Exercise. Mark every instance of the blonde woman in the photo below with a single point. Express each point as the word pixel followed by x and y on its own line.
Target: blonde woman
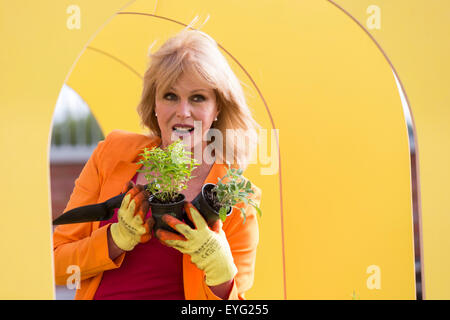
pixel 189 93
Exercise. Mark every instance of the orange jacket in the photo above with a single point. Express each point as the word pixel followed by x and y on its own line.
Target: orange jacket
pixel 110 167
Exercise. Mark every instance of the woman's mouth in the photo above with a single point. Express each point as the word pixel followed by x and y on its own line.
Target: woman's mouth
pixel 182 129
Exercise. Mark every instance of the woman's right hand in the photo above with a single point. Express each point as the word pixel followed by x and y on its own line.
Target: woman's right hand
pixel 131 228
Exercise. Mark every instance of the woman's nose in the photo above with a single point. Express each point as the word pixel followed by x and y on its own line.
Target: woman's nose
pixel 183 109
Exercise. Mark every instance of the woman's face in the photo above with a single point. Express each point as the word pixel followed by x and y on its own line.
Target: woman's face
pixel 188 100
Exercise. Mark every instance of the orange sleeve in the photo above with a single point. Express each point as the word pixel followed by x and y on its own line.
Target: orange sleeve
pixel 233 295
pixel 78 244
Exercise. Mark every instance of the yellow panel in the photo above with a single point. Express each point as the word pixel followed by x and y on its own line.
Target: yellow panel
pixel 414 35
pixel 109 90
pixel 330 105
pixel 344 149
pixel 38 51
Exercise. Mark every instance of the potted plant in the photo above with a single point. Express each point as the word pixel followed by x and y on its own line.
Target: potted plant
pixel 167 171
pixel 218 200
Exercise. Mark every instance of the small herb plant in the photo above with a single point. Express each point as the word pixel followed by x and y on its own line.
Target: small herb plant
pixel 167 170
pixel 232 192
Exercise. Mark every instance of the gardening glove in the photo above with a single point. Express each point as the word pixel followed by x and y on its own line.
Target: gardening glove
pixel 208 248
pixel 131 228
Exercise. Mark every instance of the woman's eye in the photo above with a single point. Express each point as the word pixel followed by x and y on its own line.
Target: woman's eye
pixel 198 98
pixel 170 96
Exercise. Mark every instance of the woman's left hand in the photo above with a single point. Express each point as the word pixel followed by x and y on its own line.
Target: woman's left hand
pixel 208 248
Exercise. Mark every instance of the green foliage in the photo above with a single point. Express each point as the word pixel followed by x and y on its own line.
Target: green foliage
pixel 234 191
pixel 70 129
pixel 167 171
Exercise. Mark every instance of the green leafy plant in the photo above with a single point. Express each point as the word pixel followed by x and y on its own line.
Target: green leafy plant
pixel 232 192
pixel 167 170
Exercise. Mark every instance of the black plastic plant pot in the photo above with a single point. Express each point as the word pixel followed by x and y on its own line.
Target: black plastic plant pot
pixel 175 209
pixel 203 205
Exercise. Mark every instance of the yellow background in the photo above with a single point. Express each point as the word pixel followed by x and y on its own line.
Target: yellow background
pixel 414 35
pixel 345 175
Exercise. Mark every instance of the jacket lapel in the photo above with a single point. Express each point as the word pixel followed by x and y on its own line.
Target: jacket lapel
pixel 193 277
pixel 125 169
pixel 218 170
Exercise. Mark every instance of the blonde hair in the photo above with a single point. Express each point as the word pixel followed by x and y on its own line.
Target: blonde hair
pixel 195 52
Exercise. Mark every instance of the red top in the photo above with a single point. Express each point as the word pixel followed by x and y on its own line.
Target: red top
pixel 151 271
